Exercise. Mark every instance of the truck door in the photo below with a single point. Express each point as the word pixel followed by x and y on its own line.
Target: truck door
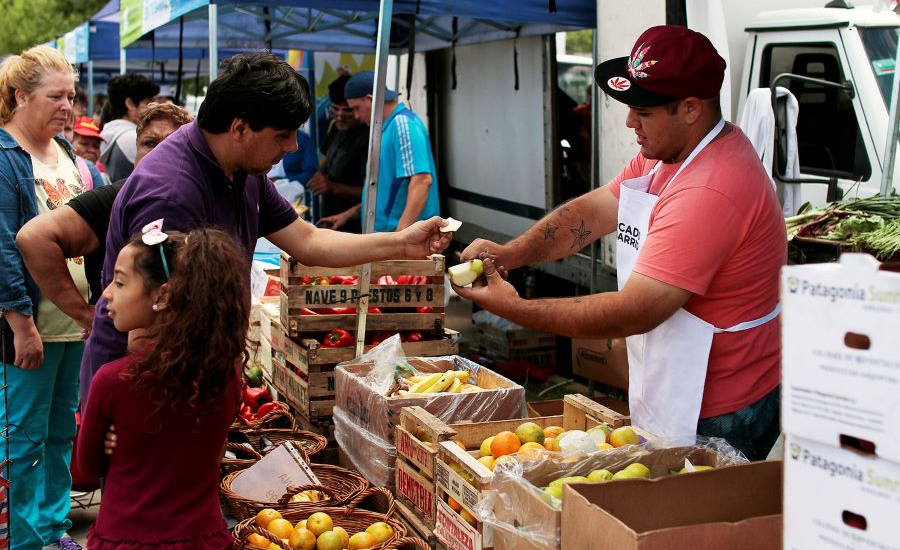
pixel 834 139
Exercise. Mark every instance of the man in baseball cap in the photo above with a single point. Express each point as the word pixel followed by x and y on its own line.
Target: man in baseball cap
pixel 407 178
pixel 700 241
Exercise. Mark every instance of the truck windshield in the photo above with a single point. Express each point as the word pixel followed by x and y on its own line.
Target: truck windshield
pixel 881 47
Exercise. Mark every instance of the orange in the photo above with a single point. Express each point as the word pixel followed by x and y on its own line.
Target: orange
pixel 361 540
pixel 455 506
pixel 302 539
pixel 319 522
pixel 470 519
pixel 329 540
pixel 279 527
pixel 486 446
pixel 552 431
pixel 265 516
pixel 529 431
pixel 258 540
pixel 461 444
pixel 380 531
pixel 549 442
pixel 505 443
pixel 531 451
pixel 300 524
pixel 344 536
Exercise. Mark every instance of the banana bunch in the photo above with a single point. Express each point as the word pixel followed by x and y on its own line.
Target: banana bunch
pixel 451 381
pixel 310 495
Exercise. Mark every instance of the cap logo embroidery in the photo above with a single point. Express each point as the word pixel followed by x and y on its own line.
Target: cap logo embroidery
pixel 636 63
pixel 619 83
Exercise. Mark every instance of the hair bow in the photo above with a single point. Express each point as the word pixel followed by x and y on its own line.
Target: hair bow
pixel 152 234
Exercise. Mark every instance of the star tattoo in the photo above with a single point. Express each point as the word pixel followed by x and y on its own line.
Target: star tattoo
pixel 580 235
pixel 549 232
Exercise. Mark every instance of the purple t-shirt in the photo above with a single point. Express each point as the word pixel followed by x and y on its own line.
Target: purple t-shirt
pixel 180 181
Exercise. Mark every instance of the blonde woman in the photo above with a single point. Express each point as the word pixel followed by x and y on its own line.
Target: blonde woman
pixel 42 346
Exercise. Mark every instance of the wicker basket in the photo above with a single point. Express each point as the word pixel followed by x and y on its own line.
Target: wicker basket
pixel 277 418
pixel 352 518
pixel 264 439
pixel 343 487
pixel 246 457
pixel 408 543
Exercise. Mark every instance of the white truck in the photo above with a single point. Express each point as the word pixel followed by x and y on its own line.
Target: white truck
pixel 499 145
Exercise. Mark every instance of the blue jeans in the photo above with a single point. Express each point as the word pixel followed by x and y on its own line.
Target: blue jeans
pixel 752 430
pixel 41 410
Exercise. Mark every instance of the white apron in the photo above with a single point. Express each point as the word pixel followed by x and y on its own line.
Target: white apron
pixel 667 365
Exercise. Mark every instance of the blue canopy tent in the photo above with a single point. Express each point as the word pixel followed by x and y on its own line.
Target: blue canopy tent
pixel 351 26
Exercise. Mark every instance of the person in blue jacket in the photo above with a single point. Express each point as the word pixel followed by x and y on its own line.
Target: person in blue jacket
pixel 42 346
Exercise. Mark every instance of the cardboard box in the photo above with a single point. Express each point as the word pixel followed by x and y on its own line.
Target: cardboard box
pixel 836 498
pixel 735 508
pixel 841 367
pixel 500 397
pixel 518 501
pixel 604 361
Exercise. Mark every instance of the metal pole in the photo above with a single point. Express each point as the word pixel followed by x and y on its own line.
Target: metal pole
pixel 887 176
pixel 382 47
pixel 123 64
pixel 213 42
pixel 90 89
pixel 595 146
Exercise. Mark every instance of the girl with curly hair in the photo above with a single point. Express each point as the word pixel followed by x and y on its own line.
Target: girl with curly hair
pixel 172 400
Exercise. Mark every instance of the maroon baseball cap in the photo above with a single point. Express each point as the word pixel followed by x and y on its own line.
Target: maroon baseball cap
pixel 667 63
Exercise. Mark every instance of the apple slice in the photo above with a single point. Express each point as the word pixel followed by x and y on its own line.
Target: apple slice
pixel 465 273
pixel 452 225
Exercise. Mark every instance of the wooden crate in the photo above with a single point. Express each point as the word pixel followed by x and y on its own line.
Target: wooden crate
pixel 458 473
pixel 395 301
pixel 510 343
pixel 306 369
pixel 416 438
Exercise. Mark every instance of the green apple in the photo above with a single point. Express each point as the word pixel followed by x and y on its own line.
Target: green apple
pixel 465 273
pixel 570 479
pixel 697 468
pixel 599 476
pixel 639 470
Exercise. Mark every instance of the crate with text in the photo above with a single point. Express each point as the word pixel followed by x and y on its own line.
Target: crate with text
pixel 464 475
pixel 305 367
pixel 416 438
pixel 403 295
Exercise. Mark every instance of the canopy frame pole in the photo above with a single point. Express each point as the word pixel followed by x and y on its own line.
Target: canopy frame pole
pixel 887 176
pixel 382 47
pixel 213 42
pixel 123 63
pixel 90 87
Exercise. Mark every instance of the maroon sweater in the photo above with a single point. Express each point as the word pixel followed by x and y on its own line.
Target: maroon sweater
pixel 162 481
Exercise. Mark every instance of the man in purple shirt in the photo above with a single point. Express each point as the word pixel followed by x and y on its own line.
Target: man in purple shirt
pixel 212 172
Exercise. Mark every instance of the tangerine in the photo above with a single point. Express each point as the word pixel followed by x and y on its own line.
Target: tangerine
pixel 318 523
pixel 266 515
pixel 552 431
pixel 344 535
pixel 360 541
pixel 302 539
pixel 470 519
pixel 505 443
pixel 329 540
pixel 380 531
pixel 280 527
pixel 258 540
pixel 531 450
pixel 454 505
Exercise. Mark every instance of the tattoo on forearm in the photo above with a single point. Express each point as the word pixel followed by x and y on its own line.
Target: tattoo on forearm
pixel 549 232
pixel 580 234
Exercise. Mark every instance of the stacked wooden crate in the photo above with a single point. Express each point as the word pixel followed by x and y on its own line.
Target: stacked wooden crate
pixel 303 366
pixel 538 348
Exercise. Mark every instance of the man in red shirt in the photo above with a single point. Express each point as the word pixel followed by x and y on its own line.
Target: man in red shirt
pixel 700 243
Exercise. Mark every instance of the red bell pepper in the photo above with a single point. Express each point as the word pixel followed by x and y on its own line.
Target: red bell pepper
pixel 351 280
pixel 304 280
pixel 338 338
pixel 424 309
pixel 375 338
pixel 307 311
pixel 247 413
pixel 343 279
pixel 386 280
pixel 413 336
pixel 405 280
pixel 266 408
pixel 254 397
